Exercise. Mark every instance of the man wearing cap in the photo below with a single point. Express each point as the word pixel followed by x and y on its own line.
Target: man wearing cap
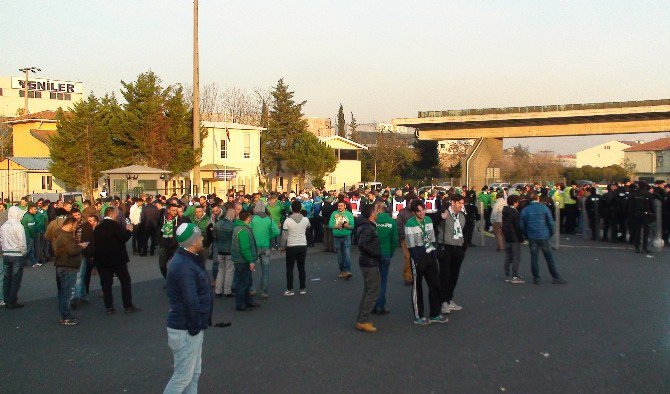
pixel 190 297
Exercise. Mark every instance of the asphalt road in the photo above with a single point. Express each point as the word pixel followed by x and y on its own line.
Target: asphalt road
pixel 607 330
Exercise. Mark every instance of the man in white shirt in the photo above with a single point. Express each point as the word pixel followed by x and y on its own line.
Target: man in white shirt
pixel 134 216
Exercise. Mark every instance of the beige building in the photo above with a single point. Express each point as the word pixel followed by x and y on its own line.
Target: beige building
pixel 44 94
pixel 20 176
pixel 231 157
pixel 651 160
pixel 348 170
pixel 606 154
pixel 320 127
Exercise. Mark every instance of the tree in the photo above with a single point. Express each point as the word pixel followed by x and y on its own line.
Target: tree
pixel 285 124
pixel 265 114
pixel 353 126
pixel 155 125
pixel 387 159
pixel 82 146
pixel 427 163
pixel 310 157
pixel 341 131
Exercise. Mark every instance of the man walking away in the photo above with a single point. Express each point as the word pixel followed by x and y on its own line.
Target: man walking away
pixel 244 254
pixel 67 261
pixel 14 249
pixel 403 216
pixel 370 256
pixel 264 229
pixel 388 242
pixel 294 243
pixel 451 251
pixel 149 221
pixel 420 238
pixel 190 296
pixel 513 239
pixel 111 258
pixel 223 234
pixel 538 226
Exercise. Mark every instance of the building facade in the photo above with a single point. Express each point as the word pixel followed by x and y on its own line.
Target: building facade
pixel 348 170
pixel 604 155
pixel 320 127
pixel 44 94
pixel 651 160
pixel 231 157
pixel 20 176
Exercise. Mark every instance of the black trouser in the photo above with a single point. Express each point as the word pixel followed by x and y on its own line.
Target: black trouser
pixel 487 218
pixel 317 229
pixel 137 238
pixel 426 269
pixel 148 232
pixel 592 224
pixel 637 227
pixel 164 256
pixel 107 279
pixel 450 259
pixel 607 225
pixel 309 234
pixel 296 255
pixel 468 231
pixel 90 264
pixel 620 227
pixel 570 218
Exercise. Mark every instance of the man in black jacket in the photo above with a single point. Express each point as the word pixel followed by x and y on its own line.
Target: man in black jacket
pixel 368 245
pixel 111 258
pixel 167 225
pixel 513 239
pixel 149 222
pixel 642 216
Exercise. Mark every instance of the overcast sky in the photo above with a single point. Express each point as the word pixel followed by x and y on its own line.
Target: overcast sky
pixel 380 59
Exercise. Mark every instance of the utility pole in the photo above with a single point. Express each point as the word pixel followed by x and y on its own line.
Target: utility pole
pixel 196 98
pixel 27 71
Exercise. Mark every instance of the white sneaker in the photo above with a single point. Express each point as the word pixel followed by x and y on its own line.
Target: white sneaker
pixel 289 293
pixel 2 303
pixel 454 307
pixel 445 308
pixel 303 291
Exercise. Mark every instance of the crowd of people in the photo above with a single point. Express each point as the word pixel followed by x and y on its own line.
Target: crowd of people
pixel 237 232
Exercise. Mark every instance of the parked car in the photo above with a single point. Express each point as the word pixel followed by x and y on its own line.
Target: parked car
pixel 496 185
pixel 370 185
pixel 67 196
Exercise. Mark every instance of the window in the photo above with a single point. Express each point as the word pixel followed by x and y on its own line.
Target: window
pixel 333 180
pixel 31 94
pixel 247 145
pixel 348 154
pixel 607 147
pixel 148 184
pixel 659 161
pixel 120 186
pixel 60 96
pixel 0 91
pixel 281 181
pixel 67 96
pixel 47 182
pixel 224 149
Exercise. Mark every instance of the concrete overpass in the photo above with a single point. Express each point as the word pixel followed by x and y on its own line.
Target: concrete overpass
pixel 490 125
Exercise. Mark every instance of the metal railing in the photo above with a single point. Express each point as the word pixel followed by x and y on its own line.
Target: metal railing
pixel 543 108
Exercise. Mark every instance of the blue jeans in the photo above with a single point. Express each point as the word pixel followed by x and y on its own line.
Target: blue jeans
pixel 80 287
pixel 384 265
pixel 12 280
pixel 535 246
pixel 343 249
pixel 67 279
pixel 30 255
pixel 243 280
pixel 187 351
pixel 264 260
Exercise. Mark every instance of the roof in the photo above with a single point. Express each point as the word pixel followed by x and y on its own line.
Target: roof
pixel 43 135
pixel 32 163
pixel 230 125
pixel 345 140
pixel 659 144
pixel 136 169
pixel 43 116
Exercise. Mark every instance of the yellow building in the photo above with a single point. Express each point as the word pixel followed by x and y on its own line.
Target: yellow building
pixel 348 170
pixel 20 176
pixel 43 95
pixel 31 134
pixel 651 160
pixel 231 157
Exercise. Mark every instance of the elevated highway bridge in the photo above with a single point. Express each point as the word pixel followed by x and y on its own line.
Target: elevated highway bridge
pixel 489 126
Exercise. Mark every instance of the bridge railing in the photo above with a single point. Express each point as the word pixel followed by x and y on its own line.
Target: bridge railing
pixel 543 108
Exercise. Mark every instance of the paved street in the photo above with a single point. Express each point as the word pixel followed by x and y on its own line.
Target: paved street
pixel 607 330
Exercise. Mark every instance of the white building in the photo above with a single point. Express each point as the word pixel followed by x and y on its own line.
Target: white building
pixel 604 155
pixel 44 94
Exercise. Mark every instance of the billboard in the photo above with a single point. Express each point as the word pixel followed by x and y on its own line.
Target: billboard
pixel 47 85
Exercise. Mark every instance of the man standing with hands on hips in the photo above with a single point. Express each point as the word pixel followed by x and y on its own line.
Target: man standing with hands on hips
pixel 190 296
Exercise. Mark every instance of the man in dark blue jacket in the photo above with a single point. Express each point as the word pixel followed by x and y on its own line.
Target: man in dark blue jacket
pixel 538 226
pixel 190 296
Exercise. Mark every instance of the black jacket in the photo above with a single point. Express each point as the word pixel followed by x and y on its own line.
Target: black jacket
pixel 149 216
pixel 510 225
pixel 368 244
pixel 110 240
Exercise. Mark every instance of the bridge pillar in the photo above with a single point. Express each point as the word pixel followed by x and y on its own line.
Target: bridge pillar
pixel 484 151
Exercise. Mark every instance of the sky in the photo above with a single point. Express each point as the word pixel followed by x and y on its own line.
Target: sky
pixel 379 59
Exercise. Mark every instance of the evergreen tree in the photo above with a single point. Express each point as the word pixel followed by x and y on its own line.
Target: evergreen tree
pixel 265 114
pixel 310 157
pixel 341 130
pixel 285 124
pixel 428 160
pixel 155 125
pixel 353 126
pixel 82 146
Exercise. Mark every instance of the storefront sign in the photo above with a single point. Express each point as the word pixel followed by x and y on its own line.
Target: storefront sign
pixel 224 175
pixel 47 85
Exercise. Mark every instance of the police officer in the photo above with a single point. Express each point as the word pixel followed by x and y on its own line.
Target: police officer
pixel 591 205
pixel 605 205
pixel 570 200
pixel 619 209
pixel 642 216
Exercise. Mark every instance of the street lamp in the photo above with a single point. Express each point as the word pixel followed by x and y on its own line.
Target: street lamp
pixel 27 71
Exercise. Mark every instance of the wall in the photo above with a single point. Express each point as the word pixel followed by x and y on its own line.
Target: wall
pixel 599 156
pixel 489 150
pixel 25 145
pixel 642 160
pixel 347 172
pixel 10 101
